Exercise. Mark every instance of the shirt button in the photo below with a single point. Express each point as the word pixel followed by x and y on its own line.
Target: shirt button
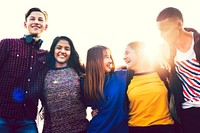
pixel 31 68
pixel 26 92
pixel 29 79
pixel 24 105
pixel 17 55
pixel 31 56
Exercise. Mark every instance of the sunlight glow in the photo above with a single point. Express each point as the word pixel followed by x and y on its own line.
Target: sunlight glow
pixel 88 23
pixel 107 22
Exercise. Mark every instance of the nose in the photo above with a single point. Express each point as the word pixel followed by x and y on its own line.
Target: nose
pixel 63 50
pixel 36 21
pixel 110 60
pixel 124 58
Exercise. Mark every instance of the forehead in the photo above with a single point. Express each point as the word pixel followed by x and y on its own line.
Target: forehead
pixel 63 43
pixel 128 48
pixel 37 14
pixel 106 52
pixel 167 23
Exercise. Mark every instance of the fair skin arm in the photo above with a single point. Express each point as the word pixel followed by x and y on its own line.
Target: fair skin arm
pixel 94 112
pixel 164 63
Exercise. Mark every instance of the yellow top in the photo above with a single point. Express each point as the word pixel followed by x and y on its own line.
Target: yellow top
pixel 148 98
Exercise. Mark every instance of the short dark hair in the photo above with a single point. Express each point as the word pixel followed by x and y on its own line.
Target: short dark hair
pixel 35 9
pixel 169 12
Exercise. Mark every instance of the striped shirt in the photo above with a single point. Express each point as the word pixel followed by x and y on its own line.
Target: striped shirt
pixel 188 70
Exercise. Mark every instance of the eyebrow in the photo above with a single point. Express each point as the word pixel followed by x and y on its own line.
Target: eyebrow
pixel 35 17
pixel 58 45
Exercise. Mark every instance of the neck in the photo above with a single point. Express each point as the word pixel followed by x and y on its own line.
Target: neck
pixel 36 37
pixel 144 70
pixel 60 65
pixel 184 41
pixel 144 67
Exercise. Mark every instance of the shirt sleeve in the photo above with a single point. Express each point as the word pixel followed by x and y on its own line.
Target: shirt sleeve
pixel 3 51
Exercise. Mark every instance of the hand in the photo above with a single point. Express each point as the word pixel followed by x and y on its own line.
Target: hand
pixel 164 64
pixel 94 112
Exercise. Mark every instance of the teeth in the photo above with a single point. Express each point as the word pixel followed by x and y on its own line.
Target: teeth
pixel 61 55
pixel 126 62
pixel 37 26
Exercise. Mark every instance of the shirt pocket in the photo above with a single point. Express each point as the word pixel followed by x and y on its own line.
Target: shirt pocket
pixel 17 63
pixel 17 54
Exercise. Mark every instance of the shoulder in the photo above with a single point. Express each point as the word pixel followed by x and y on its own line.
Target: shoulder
pixel 121 72
pixel 10 43
pixel 42 51
pixel 11 40
pixel 162 73
pixel 118 74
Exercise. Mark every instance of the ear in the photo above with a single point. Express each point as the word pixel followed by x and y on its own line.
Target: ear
pixel 180 24
pixel 46 26
pixel 25 25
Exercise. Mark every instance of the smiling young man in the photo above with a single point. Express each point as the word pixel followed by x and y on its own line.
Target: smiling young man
pixel 185 62
pixel 20 87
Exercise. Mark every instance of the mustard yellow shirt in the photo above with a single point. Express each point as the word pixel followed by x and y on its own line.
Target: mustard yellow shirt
pixel 148 99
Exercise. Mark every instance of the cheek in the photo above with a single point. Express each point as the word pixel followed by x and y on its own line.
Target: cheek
pixel 68 53
pixel 55 53
pixel 105 63
pixel 172 33
pixel 133 60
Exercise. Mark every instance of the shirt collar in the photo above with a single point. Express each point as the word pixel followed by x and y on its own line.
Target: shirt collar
pixel 30 40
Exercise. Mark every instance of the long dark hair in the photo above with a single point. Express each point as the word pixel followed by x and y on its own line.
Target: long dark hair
pixel 95 73
pixel 73 61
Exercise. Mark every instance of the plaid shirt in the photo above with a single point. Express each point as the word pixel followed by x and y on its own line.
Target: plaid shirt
pixel 21 83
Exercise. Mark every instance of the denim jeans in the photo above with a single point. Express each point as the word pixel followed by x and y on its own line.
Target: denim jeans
pixel 17 126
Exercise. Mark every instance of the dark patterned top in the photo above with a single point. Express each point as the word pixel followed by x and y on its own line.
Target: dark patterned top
pixel 21 83
pixel 64 111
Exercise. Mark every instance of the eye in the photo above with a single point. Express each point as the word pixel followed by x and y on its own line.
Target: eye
pixel 108 56
pixel 58 47
pixel 31 18
pixel 41 19
pixel 67 48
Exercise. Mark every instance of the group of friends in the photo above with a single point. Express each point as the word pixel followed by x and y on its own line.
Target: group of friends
pixel 134 99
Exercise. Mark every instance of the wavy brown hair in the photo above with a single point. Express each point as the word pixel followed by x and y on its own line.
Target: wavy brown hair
pixel 95 73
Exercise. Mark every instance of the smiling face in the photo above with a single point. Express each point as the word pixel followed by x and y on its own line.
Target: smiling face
pixel 62 53
pixel 169 30
pixel 130 58
pixel 35 23
pixel 107 60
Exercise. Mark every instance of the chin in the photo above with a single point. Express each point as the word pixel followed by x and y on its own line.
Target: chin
pixel 128 67
pixel 108 70
pixel 35 34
